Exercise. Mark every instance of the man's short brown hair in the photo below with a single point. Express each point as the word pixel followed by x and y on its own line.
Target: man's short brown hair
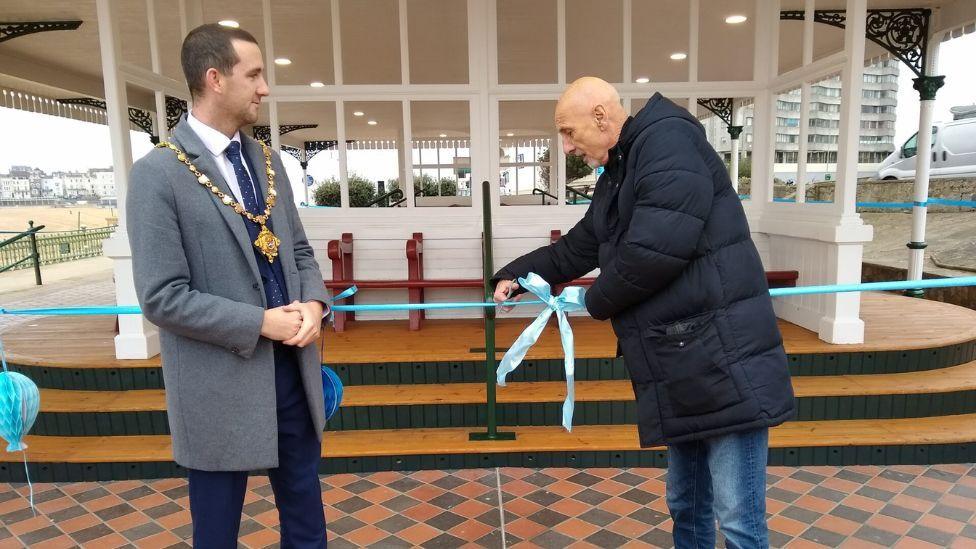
pixel 210 46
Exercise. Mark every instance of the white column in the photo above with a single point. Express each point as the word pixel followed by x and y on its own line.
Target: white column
pixel 137 338
pixel 162 132
pixel 734 153
pixel 842 322
pixel 406 159
pixel 923 161
pixel 558 169
pixel 343 156
pixel 851 79
pixel 801 155
pixel 765 68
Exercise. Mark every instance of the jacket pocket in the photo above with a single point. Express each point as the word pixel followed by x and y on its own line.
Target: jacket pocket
pixel 693 365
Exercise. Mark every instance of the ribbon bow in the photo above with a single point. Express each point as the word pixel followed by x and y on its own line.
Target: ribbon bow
pixel 571 299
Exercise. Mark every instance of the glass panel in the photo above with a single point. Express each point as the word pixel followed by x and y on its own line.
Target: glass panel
pixel 303 35
pixel 594 49
pixel 438 34
pixel 441 145
pixel 659 30
pixel 726 49
pixel 373 159
pixel 370 41
pixel 527 42
pixel 317 182
pixel 526 135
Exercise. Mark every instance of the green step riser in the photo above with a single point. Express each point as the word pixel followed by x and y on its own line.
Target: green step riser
pixel 118 379
pixel 475 415
pixel 835 456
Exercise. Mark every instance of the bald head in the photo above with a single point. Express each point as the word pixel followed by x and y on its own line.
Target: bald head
pixel 589 117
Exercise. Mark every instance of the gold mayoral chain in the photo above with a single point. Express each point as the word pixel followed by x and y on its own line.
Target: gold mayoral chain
pixel 267 243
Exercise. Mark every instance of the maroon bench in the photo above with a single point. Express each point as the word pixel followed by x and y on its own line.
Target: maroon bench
pixel 340 253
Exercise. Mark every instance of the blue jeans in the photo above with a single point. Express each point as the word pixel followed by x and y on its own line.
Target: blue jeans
pixel 720 478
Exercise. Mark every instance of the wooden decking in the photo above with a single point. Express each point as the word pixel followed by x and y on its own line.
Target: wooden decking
pixel 891 323
pixel 874 432
pixel 943 380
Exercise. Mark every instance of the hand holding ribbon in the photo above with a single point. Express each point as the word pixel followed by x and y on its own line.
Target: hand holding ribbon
pixel 571 299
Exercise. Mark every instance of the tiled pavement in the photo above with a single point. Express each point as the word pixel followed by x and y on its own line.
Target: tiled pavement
pixel 901 506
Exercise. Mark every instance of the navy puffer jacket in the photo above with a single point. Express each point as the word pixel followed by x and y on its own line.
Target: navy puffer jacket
pixel 681 281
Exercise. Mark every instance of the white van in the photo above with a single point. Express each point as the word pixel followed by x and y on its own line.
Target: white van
pixel 953 153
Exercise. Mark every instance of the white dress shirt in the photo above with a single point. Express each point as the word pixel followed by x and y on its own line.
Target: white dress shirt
pixel 217 144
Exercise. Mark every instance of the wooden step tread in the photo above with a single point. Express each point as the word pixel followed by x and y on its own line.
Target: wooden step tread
pixel 156 448
pixel 951 379
pixel 88 342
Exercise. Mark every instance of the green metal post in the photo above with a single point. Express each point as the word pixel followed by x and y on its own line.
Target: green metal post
pixel 34 253
pixel 488 265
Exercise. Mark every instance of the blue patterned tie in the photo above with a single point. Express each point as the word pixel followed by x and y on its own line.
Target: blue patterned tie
pixel 272 289
pixel 243 180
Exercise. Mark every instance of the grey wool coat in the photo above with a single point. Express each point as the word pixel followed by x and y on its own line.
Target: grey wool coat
pixel 197 279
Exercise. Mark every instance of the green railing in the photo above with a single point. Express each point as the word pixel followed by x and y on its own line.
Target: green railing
pixel 33 249
pixel 488 264
pixel 14 256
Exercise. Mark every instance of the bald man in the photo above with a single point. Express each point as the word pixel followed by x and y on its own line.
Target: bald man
pixel 682 283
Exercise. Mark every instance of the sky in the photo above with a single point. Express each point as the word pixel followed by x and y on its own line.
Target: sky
pixel 53 143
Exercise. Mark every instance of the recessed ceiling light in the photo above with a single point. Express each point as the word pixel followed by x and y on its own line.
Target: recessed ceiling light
pixel 643 80
pixel 229 23
pixel 371 122
pixel 678 56
pixel 736 19
pixel 358 113
pixel 317 84
pixel 509 134
pixel 282 61
pixel 443 135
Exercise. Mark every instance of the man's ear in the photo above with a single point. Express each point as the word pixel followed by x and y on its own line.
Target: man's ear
pixel 213 81
pixel 600 116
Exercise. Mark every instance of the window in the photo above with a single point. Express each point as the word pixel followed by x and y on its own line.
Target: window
pixel 788 122
pixel 823 123
pixel 787 106
pixel 786 157
pixel 817 138
pixel 825 91
pixel 784 138
pixel 877 109
pixel 821 157
pixel 871 157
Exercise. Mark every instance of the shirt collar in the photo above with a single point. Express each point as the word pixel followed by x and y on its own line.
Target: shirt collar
pixel 213 140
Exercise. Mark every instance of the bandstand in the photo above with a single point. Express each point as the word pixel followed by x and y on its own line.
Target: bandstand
pixel 466 90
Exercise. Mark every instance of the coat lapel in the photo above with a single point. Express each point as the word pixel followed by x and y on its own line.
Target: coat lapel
pixel 186 139
pixel 280 225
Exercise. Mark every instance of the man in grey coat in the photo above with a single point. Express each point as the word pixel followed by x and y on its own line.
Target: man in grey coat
pixel 223 268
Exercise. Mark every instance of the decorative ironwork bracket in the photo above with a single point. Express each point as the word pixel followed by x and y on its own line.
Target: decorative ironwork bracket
pixel 142 119
pixel 313 148
pixel 263 133
pixel 175 108
pixel 721 106
pixel 10 30
pixel 903 33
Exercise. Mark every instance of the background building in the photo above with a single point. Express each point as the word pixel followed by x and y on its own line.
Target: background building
pixel 878 103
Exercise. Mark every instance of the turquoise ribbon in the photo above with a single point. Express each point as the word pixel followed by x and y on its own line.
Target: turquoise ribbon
pixel 571 299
